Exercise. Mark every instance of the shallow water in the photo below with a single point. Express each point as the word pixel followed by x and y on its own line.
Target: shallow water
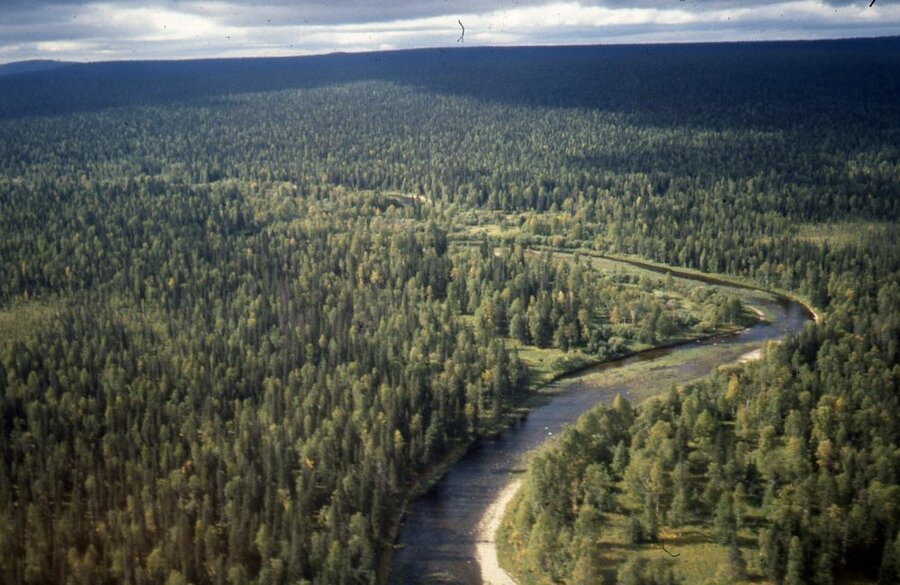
pixel 439 533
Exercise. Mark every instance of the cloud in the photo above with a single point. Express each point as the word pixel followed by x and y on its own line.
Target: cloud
pixel 127 29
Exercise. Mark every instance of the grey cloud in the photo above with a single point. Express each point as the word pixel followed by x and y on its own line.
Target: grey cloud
pixel 288 12
pixel 264 26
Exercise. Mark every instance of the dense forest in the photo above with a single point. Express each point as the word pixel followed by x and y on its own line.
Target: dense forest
pixel 790 464
pixel 235 397
pixel 252 301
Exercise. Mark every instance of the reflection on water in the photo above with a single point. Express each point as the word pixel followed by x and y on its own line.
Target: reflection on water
pixel 438 536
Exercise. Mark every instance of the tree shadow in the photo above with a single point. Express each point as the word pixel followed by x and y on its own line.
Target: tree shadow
pixel 707 85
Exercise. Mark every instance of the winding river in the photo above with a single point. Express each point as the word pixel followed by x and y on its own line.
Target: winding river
pixel 437 543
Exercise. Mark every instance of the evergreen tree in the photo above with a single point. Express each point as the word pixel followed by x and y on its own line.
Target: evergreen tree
pixel 794 572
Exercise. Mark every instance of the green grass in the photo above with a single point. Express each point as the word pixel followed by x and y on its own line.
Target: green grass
pixel 495 225
pixel 840 234
pixel 548 364
pixel 646 379
pixel 21 319
pixel 146 315
pixel 493 231
pixel 505 227
pixel 745 295
pixel 619 265
pixel 697 557
pixel 700 558
pixel 406 198
pixel 507 554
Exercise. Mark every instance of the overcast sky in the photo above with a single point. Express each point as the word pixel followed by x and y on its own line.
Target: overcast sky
pixel 82 30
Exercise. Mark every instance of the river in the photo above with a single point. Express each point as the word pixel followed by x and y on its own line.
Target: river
pixel 437 542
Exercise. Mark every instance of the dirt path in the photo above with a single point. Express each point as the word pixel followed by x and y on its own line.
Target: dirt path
pixel 486 550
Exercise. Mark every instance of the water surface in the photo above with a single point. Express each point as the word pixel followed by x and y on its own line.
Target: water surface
pixel 438 537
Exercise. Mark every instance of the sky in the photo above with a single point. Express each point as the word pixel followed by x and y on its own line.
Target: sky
pixel 86 30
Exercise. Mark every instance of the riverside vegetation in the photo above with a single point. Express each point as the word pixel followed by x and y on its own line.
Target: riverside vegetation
pixel 240 318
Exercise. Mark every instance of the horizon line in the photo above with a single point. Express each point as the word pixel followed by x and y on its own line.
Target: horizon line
pixel 457 48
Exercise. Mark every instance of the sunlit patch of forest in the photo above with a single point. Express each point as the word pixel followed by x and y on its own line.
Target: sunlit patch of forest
pixel 842 234
pixel 239 319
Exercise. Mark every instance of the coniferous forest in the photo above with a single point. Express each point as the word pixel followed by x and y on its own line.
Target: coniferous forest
pixel 245 306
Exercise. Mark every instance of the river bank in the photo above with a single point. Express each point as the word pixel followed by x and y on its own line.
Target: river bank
pixel 488 553
pixel 439 539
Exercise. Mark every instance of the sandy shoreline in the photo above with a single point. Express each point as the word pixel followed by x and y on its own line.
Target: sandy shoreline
pixel 485 550
pixel 751 356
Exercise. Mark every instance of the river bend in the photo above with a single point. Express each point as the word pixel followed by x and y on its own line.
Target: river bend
pixel 438 538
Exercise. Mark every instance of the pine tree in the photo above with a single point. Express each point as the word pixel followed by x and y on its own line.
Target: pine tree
pixel 635 530
pixel 518 328
pixel 586 571
pixel 724 519
pixel 736 563
pixel 794 572
pixel 889 571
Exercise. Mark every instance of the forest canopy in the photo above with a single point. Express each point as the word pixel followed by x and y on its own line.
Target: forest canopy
pixel 251 302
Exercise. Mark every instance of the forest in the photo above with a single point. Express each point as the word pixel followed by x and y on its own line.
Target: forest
pixel 784 470
pixel 246 305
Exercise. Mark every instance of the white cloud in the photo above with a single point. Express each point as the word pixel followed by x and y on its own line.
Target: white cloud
pixel 63 47
pixel 572 14
pixel 149 23
pixel 175 29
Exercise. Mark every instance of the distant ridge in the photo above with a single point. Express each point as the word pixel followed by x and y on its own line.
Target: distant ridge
pixel 656 81
pixel 31 66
